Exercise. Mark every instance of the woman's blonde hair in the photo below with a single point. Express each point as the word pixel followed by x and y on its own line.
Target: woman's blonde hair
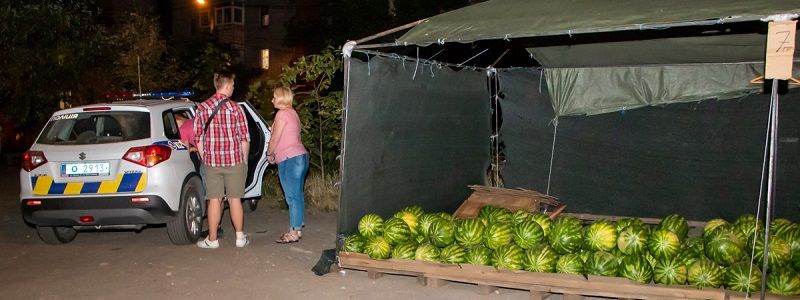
pixel 283 96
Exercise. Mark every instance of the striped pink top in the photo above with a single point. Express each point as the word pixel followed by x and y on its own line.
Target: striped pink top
pixel 289 144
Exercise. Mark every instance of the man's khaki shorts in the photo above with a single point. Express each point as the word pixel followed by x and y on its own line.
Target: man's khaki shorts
pixel 222 181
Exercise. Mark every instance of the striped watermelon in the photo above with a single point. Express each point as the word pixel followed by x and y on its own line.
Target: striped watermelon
pixel 692 250
pixel 600 236
pixel 396 231
pixel 479 255
pixel 570 264
pixel 407 250
pixel 705 273
pixel 792 236
pixel 713 224
pixel 501 215
pixel 520 216
pixel 783 281
pixel 566 235
pixel 410 218
pixel 779 227
pixel 676 224
pixel 508 257
pixel 544 221
pixel 442 232
pixel 377 248
pixel 663 244
pixel 669 271
pixel 528 234
pixel 470 232
pixel 487 210
pixel 747 225
pixel 498 235
pixel 424 223
pixel 354 243
pixel 632 240
pixel 414 209
pixel 636 268
pixel 446 216
pixel 427 252
pixel 621 224
pixel 370 225
pixel 796 260
pixel 738 277
pixel 540 258
pixel 724 252
pixel 602 263
pixel 778 255
pixel 453 254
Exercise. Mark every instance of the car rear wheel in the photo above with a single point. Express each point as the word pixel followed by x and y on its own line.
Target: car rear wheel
pixel 56 235
pixel 250 205
pixel 186 227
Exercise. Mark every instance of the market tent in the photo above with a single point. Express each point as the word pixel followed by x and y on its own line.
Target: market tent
pixel 591 59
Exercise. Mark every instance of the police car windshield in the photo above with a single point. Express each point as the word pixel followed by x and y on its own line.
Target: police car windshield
pixel 96 127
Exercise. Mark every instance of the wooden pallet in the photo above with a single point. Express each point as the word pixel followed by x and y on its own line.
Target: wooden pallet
pixel 489 279
pixel 513 199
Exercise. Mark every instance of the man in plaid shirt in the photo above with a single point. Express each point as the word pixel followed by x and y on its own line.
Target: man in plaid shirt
pixel 223 147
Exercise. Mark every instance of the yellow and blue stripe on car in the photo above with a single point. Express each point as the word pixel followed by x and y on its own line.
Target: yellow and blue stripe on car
pixel 123 183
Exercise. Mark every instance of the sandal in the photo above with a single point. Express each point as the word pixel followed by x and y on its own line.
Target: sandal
pixel 289 237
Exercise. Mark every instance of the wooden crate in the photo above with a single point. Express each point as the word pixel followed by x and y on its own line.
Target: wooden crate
pixel 512 199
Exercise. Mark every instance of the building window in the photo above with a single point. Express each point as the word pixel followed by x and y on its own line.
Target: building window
pixel 265 59
pixel 265 17
pixel 229 15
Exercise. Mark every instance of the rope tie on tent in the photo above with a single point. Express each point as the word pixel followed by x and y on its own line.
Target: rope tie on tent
pixel 569 32
pixel 541 75
pixel 552 153
pixel 506 38
pixel 368 68
pixel 415 66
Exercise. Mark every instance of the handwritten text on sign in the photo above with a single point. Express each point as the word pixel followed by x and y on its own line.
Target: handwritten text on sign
pixel 780 49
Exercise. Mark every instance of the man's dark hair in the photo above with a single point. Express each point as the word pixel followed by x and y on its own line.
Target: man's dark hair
pixel 223 76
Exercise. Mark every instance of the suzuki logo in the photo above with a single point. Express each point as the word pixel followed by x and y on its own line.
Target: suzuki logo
pixel 82 156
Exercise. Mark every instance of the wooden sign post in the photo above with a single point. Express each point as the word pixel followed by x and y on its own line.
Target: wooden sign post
pixel 780 49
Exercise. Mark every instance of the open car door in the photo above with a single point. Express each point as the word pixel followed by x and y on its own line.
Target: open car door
pixel 257 158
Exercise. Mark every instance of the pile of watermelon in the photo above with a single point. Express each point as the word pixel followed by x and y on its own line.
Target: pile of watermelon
pixel 629 248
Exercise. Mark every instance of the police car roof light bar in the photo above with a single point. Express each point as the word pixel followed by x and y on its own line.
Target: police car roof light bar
pixel 186 93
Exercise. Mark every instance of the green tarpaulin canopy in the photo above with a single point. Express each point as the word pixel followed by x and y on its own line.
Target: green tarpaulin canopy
pixel 646 67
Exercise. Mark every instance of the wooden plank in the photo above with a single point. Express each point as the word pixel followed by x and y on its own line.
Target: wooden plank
pixel 592 217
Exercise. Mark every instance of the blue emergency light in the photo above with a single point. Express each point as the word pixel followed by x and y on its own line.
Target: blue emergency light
pixel 165 94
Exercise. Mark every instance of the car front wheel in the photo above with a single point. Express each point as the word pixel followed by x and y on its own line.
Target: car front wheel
pixel 186 227
pixel 56 235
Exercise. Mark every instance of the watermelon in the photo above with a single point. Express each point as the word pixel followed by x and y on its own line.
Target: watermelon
pixel 585 254
pixel 778 255
pixel 540 258
pixel 442 232
pixel 747 224
pixel 470 232
pixel 602 263
pixel 779 227
pixel 527 234
pixel 498 235
pixel 676 224
pixel 636 268
pixel 396 231
pixel 479 255
pixel 712 224
pixel 793 238
pixel 724 252
pixel 705 273
pixel 520 216
pixel 670 271
pixel 414 209
pixel 407 250
pixel 427 252
pixel 738 277
pixel 796 260
pixel 692 250
pixel 508 257
pixel 445 216
pixel 377 248
pixel 424 223
pixel 570 264
pixel 783 281
pixel 544 221
pixel 600 236
pixel 500 215
pixel 410 218
pixel 663 244
pixel 487 210
pixel 726 232
pixel 566 235
pixel 370 225
pixel 354 243
pixel 621 224
pixel 632 240
pixel 453 254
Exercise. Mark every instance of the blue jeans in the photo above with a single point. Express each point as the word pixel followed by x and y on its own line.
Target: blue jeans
pixel 292 173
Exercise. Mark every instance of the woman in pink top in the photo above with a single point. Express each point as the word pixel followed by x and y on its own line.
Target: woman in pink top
pixel 287 150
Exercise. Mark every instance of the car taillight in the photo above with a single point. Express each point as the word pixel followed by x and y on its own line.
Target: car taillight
pixel 32 160
pixel 147 156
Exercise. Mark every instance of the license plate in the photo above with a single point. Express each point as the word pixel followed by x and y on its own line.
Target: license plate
pixel 86 169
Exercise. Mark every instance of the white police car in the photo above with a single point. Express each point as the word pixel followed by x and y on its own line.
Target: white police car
pixel 121 165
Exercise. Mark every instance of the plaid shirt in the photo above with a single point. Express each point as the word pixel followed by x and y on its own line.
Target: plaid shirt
pixel 222 142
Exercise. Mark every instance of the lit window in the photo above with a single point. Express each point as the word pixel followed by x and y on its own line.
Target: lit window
pixel 229 15
pixel 264 16
pixel 265 59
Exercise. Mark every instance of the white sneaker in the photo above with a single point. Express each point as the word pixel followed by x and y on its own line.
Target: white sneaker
pixel 242 242
pixel 205 243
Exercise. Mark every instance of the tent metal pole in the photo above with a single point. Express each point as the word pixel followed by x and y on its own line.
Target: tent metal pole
pixel 346 108
pixel 390 31
pixel 773 153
